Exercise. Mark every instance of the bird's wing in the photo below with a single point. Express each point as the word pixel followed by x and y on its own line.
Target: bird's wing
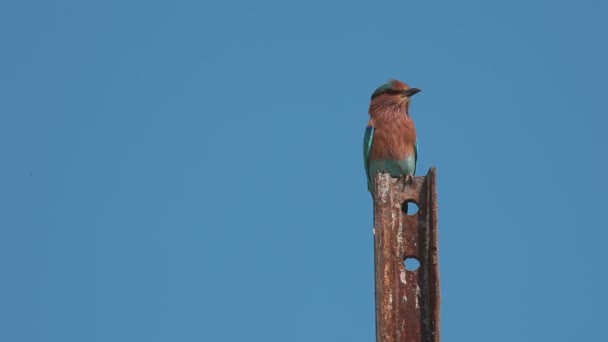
pixel 367 147
pixel 415 156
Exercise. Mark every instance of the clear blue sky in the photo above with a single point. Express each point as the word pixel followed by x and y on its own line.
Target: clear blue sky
pixel 191 170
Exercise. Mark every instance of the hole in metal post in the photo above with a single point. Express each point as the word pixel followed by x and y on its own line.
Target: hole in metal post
pixel 411 263
pixel 409 207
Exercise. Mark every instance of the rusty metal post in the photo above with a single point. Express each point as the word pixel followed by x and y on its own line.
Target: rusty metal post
pixel 407 301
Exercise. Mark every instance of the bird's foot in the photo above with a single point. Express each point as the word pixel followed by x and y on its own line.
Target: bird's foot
pixel 407 180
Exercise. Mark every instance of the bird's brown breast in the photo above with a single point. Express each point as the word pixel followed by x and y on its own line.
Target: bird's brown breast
pixel 394 138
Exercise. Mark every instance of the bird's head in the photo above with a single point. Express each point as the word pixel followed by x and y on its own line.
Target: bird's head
pixel 394 96
pixel 396 90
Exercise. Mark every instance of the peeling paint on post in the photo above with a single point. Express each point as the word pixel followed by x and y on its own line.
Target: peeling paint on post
pixel 407 302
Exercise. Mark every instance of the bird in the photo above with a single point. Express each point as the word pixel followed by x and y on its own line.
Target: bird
pixel 390 143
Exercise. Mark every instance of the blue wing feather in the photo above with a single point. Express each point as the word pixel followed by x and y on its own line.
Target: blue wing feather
pixel 367 147
pixel 415 157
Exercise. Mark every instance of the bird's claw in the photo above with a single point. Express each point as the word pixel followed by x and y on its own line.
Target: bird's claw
pixel 407 180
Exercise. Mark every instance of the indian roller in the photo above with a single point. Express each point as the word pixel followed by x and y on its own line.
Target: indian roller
pixel 390 144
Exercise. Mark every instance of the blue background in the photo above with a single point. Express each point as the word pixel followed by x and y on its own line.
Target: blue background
pixel 192 170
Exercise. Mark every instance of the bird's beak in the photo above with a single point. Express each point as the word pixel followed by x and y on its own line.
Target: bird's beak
pixel 411 91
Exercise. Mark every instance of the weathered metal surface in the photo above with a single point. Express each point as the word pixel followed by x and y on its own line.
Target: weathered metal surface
pixel 407 302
